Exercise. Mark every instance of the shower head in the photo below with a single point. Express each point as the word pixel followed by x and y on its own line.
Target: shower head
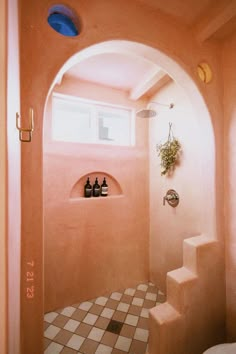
pixel 146 113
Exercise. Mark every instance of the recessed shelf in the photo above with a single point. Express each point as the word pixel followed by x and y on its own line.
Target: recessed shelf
pixel 114 188
pixel 73 200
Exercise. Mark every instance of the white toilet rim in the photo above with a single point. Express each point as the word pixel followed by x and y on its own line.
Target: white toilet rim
pixel 226 348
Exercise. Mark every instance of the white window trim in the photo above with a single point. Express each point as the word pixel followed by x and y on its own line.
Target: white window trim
pixel 105 106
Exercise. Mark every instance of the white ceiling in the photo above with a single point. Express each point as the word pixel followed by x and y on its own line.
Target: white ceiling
pixel 120 71
pixel 114 70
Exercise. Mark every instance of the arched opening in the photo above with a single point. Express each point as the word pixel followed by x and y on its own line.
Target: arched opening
pixel 191 120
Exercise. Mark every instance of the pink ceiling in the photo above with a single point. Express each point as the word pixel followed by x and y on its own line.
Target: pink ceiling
pixel 187 11
pixel 129 72
pixel 226 30
pixel 114 70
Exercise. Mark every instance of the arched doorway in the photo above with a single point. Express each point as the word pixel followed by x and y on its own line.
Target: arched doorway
pixel 32 155
pixel 55 297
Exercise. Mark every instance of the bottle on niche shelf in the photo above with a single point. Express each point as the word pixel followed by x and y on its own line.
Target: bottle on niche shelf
pixel 104 188
pixel 96 188
pixel 88 189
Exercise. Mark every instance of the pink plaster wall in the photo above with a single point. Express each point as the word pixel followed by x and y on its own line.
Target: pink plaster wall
pixel 193 318
pixel 44 52
pixel 103 241
pixel 9 181
pixel 3 183
pixel 14 181
pixel 170 226
pixel 228 60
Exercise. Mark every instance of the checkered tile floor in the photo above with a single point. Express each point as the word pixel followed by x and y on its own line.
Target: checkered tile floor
pixel 114 324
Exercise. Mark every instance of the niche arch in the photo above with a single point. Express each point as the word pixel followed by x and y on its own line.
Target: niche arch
pixel 114 187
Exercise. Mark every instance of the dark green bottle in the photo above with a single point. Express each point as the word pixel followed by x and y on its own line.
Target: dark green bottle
pixel 88 189
pixel 104 188
pixel 96 188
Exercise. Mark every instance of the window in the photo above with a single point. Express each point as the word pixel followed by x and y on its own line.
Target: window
pixel 89 122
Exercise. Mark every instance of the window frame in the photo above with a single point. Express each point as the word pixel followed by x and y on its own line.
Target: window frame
pixel 94 107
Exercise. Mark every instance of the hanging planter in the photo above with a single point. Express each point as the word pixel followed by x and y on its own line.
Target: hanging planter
pixel 169 153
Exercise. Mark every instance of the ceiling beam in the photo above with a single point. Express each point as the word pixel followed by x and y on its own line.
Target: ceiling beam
pixel 159 85
pixel 146 83
pixel 216 18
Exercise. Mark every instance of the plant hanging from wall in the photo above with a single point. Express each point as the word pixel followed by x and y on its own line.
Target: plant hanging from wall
pixel 169 152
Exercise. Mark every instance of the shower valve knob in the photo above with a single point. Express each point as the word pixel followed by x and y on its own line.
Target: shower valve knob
pixel 172 198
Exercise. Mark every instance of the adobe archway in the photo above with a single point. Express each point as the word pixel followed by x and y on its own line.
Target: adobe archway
pixel 38 75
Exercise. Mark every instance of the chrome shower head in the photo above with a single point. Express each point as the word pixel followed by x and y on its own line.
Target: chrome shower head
pixel 146 113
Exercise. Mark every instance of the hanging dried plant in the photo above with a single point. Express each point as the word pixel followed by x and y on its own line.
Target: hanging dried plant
pixel 169 152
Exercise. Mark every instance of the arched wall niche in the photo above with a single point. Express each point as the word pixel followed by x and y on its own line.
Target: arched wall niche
pixel 77 190
pixel 44 53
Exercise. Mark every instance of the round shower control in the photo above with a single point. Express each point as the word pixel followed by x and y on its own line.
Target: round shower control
pixel 172 198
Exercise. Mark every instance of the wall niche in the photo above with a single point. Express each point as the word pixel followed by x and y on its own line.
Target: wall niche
pixel 114 188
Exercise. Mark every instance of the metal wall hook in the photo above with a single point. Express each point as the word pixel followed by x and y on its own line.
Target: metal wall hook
pixel 172 198
pixel 25 130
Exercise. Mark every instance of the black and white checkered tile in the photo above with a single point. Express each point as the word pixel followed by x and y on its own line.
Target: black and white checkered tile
pixel 113 324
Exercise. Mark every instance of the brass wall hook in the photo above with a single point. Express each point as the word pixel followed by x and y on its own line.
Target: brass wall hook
pixel 25 130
